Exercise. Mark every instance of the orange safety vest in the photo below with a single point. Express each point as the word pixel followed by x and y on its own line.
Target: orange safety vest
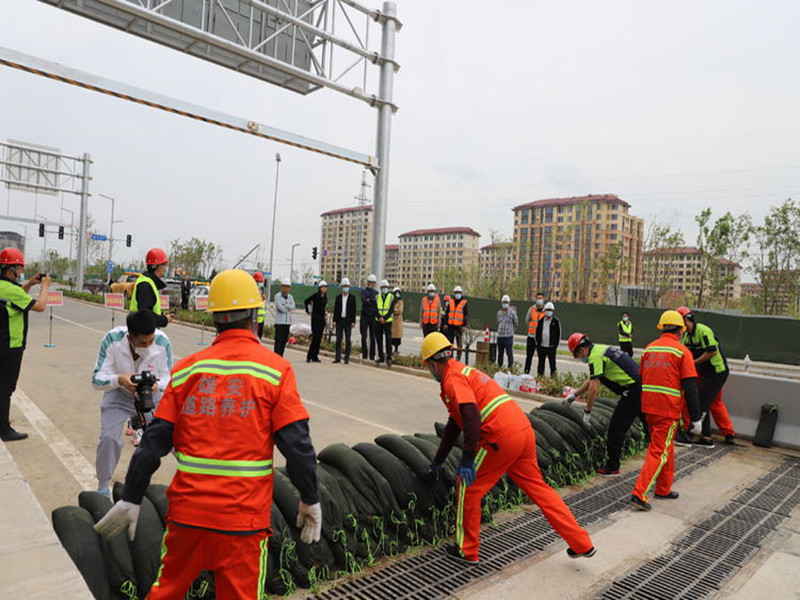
pixel 226 402
pixel 536 316
pixel 430 310
pixel 665 364
pixel 455 314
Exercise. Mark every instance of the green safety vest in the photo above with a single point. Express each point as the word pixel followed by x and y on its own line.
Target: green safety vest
pixel 601 366
pixel 625 330
pixel 384 305
pixel 261 312
pixel 134 306
pixel 701 338
pixel 15 303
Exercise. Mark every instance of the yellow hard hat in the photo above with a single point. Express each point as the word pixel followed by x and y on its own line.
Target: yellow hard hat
pixel 433 343
pixel 233 289
pixel 671 317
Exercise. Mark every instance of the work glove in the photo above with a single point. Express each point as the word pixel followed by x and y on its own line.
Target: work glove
pixel 309 517
pixel 432 472
pixel 587 418
pixel 569 400
pixel 466 472
pixel 697 426
pixel 121 516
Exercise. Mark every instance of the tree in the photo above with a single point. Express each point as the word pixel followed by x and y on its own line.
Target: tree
pixel 609 270
pixel 195 256
pixel 728 241
pixel 656 280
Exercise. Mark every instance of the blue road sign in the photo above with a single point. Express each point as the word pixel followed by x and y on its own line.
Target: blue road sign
pixel 109 264
pixel 99 237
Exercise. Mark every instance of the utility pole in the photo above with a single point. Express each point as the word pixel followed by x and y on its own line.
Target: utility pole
pixel 87 160
pixel 291 263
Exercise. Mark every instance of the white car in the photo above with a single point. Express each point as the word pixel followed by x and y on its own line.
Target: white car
pixel 198 290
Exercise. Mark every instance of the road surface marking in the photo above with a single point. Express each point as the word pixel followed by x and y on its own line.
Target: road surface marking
pixel 81 325
pixel 354 418
pixel 75 462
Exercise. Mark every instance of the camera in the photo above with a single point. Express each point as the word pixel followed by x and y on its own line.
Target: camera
pixel 144 390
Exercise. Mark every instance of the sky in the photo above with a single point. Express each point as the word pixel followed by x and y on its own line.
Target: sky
pixel 672 106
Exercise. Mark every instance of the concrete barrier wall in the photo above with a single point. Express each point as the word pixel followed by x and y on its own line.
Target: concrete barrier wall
pixel 744 394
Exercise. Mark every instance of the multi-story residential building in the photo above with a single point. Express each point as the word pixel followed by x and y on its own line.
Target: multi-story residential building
pixel 12 239
pixel 424 252
pixel 682 267
pixel 782 296
pixel 497 261
pixel 346 244
pixel 558 243
pixel 391 267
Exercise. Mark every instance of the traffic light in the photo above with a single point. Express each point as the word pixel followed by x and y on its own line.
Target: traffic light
pixel 61 232
pixel 128 240
pixel 41 229
pixel 313 250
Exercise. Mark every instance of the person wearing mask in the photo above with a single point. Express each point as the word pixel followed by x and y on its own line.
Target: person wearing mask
pixel 548 335
pixel 15 304
pixel 344 317
pixel 498 439
pixel 284 305
pixel 147 288
pixel 507 322
pixel 383 323
pixel 669 379
pixel 429 311
pixel 618 372
pixel 124 352
pixel 625 334
pixel 397 320
pixel 445 308
pixel 186 289
pixel 532 318
pixel 369 315
pixel 457 317
pixel 224 411
pixel 316 306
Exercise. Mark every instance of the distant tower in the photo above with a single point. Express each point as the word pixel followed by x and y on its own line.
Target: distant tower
pixel 363 199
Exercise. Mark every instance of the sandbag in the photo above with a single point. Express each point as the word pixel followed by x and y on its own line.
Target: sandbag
pixel 565 411
pixel 281 545
pixel 439 429
pixel 74 527
pixel 157 494
pixel 543 429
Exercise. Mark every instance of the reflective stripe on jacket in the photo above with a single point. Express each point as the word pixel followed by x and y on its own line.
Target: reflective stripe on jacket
pixel 384 307
pixel 665 364
pixel 455 314
pixel 625 330
pixel 536 316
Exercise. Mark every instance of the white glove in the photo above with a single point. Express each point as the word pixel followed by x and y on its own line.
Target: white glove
pixel 587 418
pixel 309 517
pixel 697 426
pixel 569 400
pixel 121 516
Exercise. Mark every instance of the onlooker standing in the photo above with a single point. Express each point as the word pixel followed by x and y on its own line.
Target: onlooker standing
pixel 146 293
pixel 318 301
pixel 429 311
pixel 397 320
pixel 548 334
pixel 625 331
pixel 15 303
pixel 186 288
pixel 507 322
pixel 344 316
pixel 383 323
pixel 445 311
pixel 284 305
pixel 535 314
pixel 457 316
pixel 369 313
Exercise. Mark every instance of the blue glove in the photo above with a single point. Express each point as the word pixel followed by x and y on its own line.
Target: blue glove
pixel 466 472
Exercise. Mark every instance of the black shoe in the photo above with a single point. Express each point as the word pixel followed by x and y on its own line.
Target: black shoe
pixel 12 435
pixel 683 438
pixel 730 439
pixel 453 552
pixel 670 496
pixel 603 472
pixel 702 442
pixel 378 361
pixel 315 360
pixel 347 361
pixel 336 360
pixel 637 502
pixel 588 554
pixel 388 362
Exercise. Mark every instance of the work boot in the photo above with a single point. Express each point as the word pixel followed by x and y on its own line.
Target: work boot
pixel 453 552
pixel 684 438
pixel 346 360
pixel 671 496
pixel 603 472
pixel 588 554
pixel 730 439
pixel 638 503
pixel 336 360
pixel 12 435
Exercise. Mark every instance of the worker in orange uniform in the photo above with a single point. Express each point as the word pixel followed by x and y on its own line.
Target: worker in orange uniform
pixel 456 318
pixel 224 409
pixel 668 377
pixel 535 314
pixel 498 439
pixel 429 311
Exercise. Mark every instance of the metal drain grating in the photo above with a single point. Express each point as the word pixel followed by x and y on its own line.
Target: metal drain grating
pixel 699 563
pixel 433 575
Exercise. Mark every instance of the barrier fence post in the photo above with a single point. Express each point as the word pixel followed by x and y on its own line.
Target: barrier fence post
pixel 54 298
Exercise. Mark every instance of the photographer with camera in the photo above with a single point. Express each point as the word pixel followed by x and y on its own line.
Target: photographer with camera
pixel 147 289
pixel 132 368
pixel 15 304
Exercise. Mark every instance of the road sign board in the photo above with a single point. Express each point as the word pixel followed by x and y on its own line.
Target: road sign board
pixel 114 300
pixel 109 269
pixel 99 237
pixel 54 298
pixel 109 264
pixel 164 301
pixel 201 302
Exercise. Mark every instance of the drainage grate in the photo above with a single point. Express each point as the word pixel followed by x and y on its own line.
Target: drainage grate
pixel 433 575
pixel 699 563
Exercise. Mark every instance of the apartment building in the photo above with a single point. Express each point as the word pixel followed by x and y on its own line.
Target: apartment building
pixel 558 242
pixel 423 252
pixel 497 261
pixel 682 266
pixel 346 244
pixel 391 266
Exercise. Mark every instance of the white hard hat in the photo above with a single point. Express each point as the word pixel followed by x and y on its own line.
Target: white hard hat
pixel 384 283
pixel 372 278
pixel 395 289
pixel 286 281
pixel 322 283
pixel 549 306
pixel 431 287
pixel 458 289
pixel 345 281
pixel 505 299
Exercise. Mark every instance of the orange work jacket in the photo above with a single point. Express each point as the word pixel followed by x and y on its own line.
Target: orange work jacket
pixel 455 313
pixel 536 316
pixel 665 363
pixel 430 310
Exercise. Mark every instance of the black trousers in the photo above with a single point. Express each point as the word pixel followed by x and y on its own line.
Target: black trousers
pixel 429 328
pixel 708 388
pixel 317 329
pixel 455 334
pixel 343 330
pixel 627 347
pixel 383 333
pixel 367 326
pixel 260 332
pixel 281 337
pixel 10 364
pixel 530 349
pixel 628 408
pixel 548 354
pixel 505 345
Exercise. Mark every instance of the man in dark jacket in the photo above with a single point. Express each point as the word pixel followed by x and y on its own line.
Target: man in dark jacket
pixel 147 289
pixel 548 334
pixel 369 312
pixel 344 316
pixel 186 289
pixel 316 307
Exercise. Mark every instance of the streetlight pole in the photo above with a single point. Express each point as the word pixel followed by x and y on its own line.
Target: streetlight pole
pixel 291 264
pixel 274 211
pixel 111 228
pixel 71 234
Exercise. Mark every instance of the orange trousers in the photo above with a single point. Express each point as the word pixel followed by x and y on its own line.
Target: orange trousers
pixel 239 563
pixel 659 465
pixel 718 411
pixel 516 456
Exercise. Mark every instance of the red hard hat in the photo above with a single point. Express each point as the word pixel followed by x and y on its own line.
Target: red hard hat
pixel 684 311
pixel 575 340
pixel 258 276
pixel 11 256
pixel 156 256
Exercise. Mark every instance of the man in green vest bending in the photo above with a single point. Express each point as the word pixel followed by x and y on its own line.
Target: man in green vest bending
pixel 625 333
pixel 147 289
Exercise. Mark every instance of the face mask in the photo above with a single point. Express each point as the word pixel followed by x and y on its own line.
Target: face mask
pixel 585 359
pixel 431 294
pixel 458 296
pixel 625 319
pixel 549 313
pixel 539 302
pixel 384 290
pixel 345 289
pixel 432 369
pixel 505 305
